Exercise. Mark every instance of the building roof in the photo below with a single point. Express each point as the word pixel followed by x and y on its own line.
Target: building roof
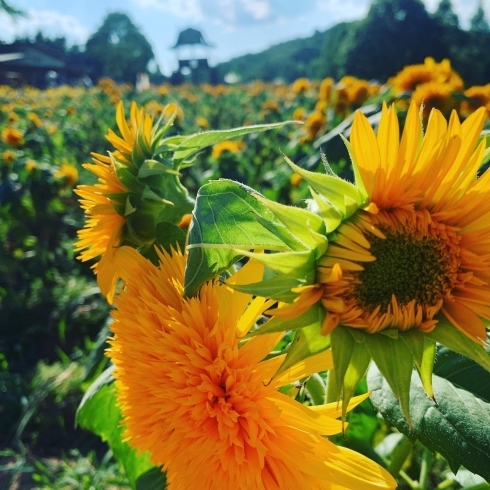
pixel 190 36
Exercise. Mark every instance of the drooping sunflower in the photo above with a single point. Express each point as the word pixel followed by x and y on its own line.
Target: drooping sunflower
pixel 384 268
pixel 204 405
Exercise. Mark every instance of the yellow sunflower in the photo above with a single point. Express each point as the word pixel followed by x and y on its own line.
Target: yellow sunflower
pixel 420 244
pixel 387 267
pixel 123 208
pixel 203 405
pixel 434 95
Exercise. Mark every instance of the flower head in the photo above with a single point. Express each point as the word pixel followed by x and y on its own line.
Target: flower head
pixel 69 173
pixel 207 407
pixel 136 198
pixel 401 258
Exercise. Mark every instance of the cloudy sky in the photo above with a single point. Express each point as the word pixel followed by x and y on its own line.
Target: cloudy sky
pixel 234 27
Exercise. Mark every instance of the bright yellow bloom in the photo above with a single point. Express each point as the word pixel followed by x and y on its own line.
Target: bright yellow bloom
pixel 205 408
pixel 295 179
pixel 13 136
pixel 421 244
pixel 299 114
pixel 231 146
pixel 30 165
pixel 412 76
pixel 325 91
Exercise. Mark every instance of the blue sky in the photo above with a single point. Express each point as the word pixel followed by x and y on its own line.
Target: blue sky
pixel 234 27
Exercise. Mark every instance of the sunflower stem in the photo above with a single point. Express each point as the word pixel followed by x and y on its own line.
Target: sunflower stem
pixel 425 466
pixel 400 454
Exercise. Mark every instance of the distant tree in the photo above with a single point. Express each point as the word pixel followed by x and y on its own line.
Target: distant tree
pixel 445 14
pixel 7 7
pixel 118 49
pixel 479 22
pixel 394 34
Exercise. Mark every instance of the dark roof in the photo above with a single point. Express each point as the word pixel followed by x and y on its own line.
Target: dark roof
pixel 190 36
pixel 33 58
pixel 24 56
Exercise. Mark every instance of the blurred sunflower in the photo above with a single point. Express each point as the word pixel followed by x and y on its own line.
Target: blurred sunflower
pixel 208 410
pixel 12 136
pixel 301 85
pixel 477 96
pixel 8 156
pixel 434 95
pixel 223 146
pixel 69 173
pixel 314 123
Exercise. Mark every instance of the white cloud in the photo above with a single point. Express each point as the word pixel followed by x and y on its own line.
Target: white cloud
pixel 51 22
pixel 344 10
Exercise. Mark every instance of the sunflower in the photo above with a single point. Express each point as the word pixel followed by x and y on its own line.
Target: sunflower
pixel 434 95
pixel 385 268
pixel 226 146
pixel 477 96
pixel 13 137
pixel 419 245
pixel 205 406
pixel 301 86
pixel 122 207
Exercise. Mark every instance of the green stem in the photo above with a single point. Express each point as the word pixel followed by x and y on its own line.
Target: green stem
pixel 445 484
pixel 414 485
pixel 425 466
pixel 400 454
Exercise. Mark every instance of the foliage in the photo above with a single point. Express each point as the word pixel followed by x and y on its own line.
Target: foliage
pixel 118 49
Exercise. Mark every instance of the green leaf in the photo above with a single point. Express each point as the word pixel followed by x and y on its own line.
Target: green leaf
pixel 345 196
pixel 226 216
pixel 277 287
pixel 299 264
pixel 307 342
pixel 154 167
pixel 153 479
pixel 395 361
pixel 170 235
pixel 195 142
pixel 458 426
pixel 311 317
pixel 303 224
pixel 99 413
pixel 330 214
pixel 351 359
pixel 447 334
pixel 463 373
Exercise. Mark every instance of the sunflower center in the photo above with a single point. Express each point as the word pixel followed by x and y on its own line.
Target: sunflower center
pixel 406 268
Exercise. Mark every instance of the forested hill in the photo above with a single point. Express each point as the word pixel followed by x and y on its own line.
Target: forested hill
pixel 395 33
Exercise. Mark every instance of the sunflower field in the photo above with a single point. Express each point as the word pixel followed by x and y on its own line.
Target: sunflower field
pixel 249 286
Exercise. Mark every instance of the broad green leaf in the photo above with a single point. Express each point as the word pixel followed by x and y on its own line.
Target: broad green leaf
pixel 226 217
pixel 332 188
pixel 448 335
pixel 463 373
pixel 395 360
pixel 195 142
pixel 99 413
pixel 307 342
pixel 458 426
pixel 311 317
pixel 277 287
